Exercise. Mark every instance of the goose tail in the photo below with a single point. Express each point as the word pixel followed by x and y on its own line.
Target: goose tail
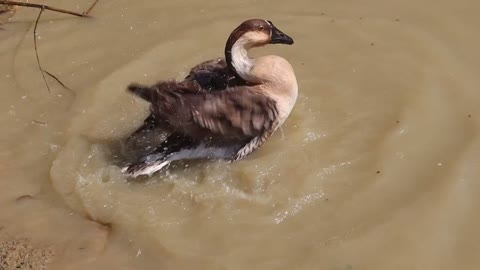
pixel 177 148
pixel 146 166
pixel 145 92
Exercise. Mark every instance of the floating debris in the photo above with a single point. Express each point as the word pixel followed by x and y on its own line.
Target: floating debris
pixel 39 122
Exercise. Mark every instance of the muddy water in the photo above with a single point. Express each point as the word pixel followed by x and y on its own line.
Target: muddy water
pixel 376 168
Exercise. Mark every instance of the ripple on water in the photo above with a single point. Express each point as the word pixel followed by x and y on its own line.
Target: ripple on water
pixel 343 143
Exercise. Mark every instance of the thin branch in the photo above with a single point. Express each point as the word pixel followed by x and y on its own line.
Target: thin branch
pixel 36 50
pixel 58 80
pixel 91 7
pixel 42 7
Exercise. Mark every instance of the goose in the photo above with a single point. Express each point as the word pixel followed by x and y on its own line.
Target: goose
pixel 225 108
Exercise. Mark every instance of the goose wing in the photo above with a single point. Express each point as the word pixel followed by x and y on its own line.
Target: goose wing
pixel 239 112
pixel 149 93
pixel 214 75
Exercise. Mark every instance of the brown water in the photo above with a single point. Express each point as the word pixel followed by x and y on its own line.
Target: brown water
pixel 376 168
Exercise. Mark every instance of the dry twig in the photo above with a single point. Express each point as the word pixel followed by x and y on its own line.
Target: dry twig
pixel 11 4
pixel 36 50
pixel 91 7
pixel 43 7
pixel 58 80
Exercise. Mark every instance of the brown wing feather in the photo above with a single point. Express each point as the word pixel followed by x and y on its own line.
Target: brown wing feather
pixel 240 112
pixel 149 93
pixel 209 76
pixel 214 75
pixel 236 113
pixel 209 65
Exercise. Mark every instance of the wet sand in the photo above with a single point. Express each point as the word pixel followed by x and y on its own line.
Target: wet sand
pixel 18 253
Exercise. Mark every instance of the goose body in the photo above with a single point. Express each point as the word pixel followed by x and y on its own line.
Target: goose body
pixel 225 108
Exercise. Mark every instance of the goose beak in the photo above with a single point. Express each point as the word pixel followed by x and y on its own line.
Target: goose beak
pixel 278 37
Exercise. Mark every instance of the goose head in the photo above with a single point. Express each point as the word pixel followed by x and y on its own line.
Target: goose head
pixel 251 33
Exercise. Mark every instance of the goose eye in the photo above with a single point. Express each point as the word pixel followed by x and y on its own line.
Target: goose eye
pixel 261 28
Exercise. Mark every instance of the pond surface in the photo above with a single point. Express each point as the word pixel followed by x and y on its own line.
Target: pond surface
pixel 376 167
